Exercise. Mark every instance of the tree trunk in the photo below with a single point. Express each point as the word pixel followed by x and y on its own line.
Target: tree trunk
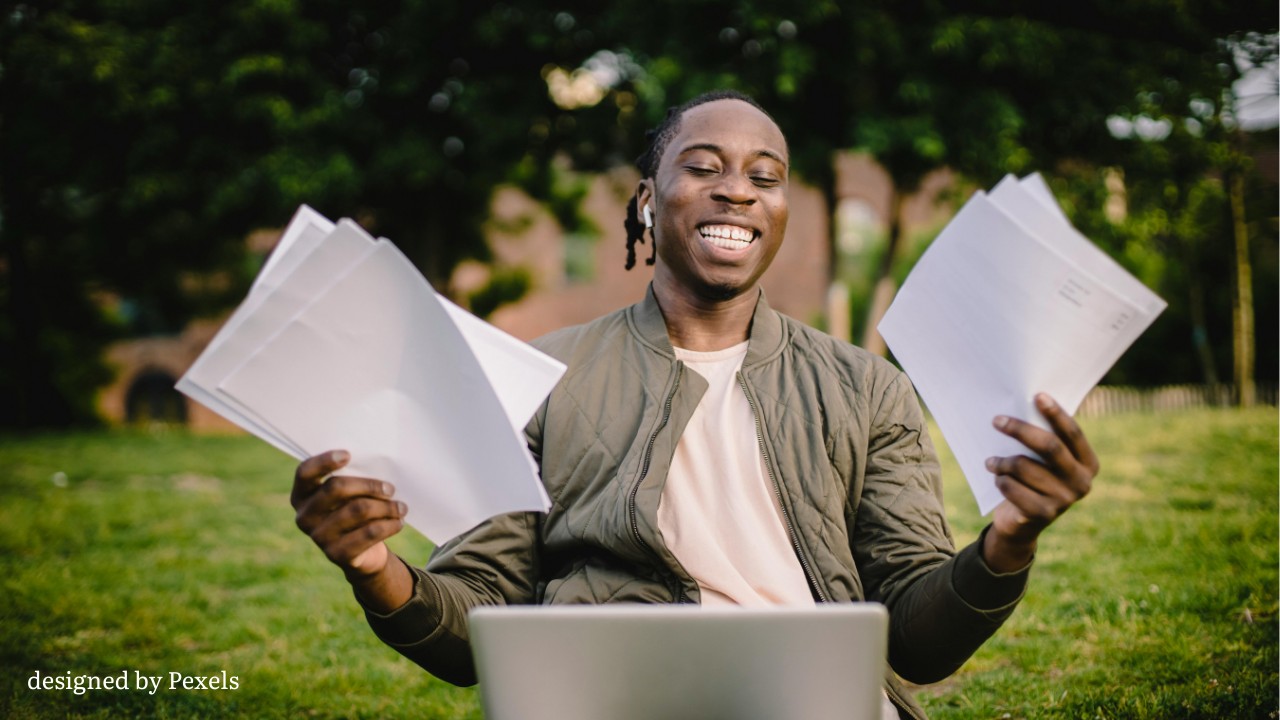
pixel 1242 302
pixel 882 295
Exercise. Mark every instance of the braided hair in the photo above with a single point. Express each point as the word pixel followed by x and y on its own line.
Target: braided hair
pixel 658 138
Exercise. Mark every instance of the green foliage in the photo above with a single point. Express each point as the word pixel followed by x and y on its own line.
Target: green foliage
pixel 986 88
pixel 505 285
pixel 562 190
pixel 142 143
pixel 1175 231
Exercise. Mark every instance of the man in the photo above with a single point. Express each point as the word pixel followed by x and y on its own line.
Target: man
pixel 703 448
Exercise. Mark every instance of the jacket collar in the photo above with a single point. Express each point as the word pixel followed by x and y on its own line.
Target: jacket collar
pixel 767 336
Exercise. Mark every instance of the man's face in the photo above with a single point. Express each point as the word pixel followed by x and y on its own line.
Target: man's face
pixel 719 200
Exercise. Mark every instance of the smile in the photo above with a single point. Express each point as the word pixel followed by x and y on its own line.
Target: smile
pixel 729 237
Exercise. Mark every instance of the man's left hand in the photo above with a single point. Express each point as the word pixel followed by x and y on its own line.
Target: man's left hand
pixel 1036 491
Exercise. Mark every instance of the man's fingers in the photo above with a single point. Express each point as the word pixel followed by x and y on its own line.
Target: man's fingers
pixel 342 489
pixel 311 473
pixel 1036 509
pixel 355 514
pixel 1035 476
pixel 1057 454
pixel 349 546
pixel 1041 489
pixel 347 517
pixel 359 522
pixel 1045 444
pixel 1068 430
pixel 337 492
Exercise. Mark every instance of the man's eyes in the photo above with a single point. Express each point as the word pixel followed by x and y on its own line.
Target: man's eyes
pixel 760 179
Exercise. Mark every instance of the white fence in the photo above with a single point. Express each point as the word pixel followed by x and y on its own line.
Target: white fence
pixel 1109 400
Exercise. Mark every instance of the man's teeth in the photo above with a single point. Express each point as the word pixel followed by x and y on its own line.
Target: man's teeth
pixel 729 237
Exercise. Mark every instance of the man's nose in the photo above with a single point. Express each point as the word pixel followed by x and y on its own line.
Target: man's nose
pixel 734 188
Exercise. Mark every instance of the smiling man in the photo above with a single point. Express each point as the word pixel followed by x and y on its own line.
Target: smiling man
pixel 718 196
pixel 704 448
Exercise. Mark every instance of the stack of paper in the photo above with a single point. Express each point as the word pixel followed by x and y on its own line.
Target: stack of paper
pixel 342 344
pixel 1010 300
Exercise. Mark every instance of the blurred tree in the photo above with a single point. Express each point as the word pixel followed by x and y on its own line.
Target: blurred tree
pixel 1190 211
pixel 986 87
pixel 141 143
pixel 983 87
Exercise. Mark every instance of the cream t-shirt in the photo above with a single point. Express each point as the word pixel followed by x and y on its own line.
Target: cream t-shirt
pixel 719 511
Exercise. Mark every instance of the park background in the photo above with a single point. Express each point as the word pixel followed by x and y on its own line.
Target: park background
pixel 150 152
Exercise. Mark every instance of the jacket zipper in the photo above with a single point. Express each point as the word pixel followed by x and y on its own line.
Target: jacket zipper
pixel 777 489
pixel 644 471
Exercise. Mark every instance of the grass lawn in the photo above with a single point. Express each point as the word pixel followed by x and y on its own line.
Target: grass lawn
pixel 154 554
pixel 1156 597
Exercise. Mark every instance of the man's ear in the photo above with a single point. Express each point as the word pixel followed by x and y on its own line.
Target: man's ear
pixel 644 195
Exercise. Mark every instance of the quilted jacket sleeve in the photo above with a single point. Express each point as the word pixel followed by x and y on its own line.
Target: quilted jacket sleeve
pixel 493 564
pixel 942 605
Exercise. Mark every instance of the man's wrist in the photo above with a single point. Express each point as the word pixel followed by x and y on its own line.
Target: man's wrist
pixel 1004 554
pixel 386 590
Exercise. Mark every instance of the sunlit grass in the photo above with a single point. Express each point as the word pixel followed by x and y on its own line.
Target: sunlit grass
pixel 130 552
pixel 1155 598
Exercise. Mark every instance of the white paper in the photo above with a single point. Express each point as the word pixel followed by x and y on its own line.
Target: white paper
pixel 375 365
pixel 1046 222
pixel 305 232
pixel 263 314
pixel 995 312
pixel 521 375
pixel 1037 187
pixel 342 344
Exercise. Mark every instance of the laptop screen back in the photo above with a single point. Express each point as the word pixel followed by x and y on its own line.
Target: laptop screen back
pixel 644 662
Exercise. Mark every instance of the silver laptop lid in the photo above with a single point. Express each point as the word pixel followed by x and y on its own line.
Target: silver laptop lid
pixel 665 662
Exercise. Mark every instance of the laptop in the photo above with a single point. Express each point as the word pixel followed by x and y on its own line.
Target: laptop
pixel 680 662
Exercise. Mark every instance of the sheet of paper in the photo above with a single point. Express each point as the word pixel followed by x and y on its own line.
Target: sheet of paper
pixel 341 250
pixel 311 255
pixel 521 376
pixel 1047 223
pixel 376 365
pixel 1036 185
pixel 306 231
pixel 994 313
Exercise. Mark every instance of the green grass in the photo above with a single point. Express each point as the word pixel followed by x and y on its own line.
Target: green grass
pixel 1156 598
pixel 177 553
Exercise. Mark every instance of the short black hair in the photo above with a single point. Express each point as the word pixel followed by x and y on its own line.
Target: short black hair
pixel 658 138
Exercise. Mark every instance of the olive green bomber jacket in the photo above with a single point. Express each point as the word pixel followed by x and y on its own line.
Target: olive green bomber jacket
pixel 844 442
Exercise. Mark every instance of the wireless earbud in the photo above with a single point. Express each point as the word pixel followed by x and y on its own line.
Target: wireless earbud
pixel 648 216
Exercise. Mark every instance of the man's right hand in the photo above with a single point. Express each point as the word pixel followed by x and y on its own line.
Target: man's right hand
pixel 349 519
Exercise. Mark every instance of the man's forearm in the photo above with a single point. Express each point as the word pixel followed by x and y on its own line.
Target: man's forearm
pixel 944 616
